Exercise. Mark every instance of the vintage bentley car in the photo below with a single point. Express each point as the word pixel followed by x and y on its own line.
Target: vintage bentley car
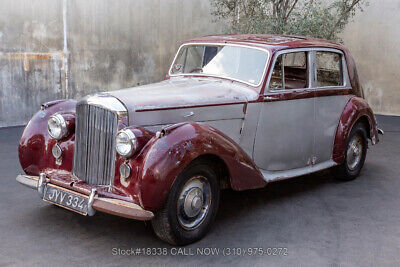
pixel 234 111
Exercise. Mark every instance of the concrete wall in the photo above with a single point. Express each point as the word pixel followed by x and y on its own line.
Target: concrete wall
pixel 374 40
pixel 51 49
pixel 31 58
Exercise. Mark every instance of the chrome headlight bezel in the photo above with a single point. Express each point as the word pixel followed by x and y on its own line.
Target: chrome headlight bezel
pixel 127 138
pixel 59 122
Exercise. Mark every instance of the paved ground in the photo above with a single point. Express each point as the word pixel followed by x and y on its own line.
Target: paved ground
pixel 320 221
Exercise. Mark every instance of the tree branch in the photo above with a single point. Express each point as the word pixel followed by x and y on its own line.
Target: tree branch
pixel 343 15
pixel 291 9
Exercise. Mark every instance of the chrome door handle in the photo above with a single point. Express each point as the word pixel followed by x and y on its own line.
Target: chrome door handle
pixel 270 98
pixel 191 113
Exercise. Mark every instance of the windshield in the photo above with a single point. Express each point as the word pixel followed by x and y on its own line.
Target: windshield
pixel 235 62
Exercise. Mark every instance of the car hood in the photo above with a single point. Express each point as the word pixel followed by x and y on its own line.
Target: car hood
pixel 179 92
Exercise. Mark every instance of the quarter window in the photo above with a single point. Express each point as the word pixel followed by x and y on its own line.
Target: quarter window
pixel 329 69
pixel 290 72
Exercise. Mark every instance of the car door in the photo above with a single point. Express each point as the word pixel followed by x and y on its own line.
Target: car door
pixel 285 133
pixel 332 92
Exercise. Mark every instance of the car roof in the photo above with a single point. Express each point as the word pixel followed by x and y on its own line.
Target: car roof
pixel 268 41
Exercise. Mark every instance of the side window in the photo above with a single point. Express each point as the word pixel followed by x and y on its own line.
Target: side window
pixel 329 69
pixel 290 72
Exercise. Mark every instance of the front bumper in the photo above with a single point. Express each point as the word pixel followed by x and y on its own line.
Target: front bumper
pixel 112 206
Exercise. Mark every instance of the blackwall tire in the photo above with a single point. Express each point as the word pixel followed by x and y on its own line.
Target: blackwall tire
pixel 355 154
pixel 191 206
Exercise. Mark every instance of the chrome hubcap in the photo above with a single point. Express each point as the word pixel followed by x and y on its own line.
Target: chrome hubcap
pixel 194 202
pixel 354 152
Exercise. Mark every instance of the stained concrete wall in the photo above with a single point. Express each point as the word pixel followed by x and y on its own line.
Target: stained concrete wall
pixel 51 49
pixel 374 40
pixel 31 59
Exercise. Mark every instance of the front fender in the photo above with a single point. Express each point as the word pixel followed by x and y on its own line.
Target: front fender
pixel 165 157
pixel 356 109
pixel 34 148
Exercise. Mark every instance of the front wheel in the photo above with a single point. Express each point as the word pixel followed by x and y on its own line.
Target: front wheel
pixel 356 151
pixel 191 206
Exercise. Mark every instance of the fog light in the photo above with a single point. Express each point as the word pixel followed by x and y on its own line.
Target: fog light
pixel 56 150
pixel 124 173
pixel 124 170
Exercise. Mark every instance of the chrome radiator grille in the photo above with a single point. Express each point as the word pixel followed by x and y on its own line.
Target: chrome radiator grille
pixel 94 154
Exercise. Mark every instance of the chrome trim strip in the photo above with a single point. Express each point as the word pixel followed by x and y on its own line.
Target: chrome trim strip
pixel 274 176
pixel 224 77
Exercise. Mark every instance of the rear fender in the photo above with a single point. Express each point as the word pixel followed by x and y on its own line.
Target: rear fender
pixel 356 109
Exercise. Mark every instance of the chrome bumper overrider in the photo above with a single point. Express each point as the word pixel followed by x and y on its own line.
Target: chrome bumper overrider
pixel 108 205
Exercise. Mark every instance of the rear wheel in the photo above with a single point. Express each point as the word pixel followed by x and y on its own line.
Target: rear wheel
pixel 191 206
pixel 356 151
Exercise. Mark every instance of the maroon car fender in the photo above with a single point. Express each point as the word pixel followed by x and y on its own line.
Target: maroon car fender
pixel 356 109
pixel 166 156
pixel 34 148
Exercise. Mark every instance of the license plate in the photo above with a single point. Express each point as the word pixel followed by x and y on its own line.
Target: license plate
pixel 66 199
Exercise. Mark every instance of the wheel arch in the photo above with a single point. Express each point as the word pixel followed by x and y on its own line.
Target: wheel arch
pixel 363 119
pixel 219 166
pixel 356 110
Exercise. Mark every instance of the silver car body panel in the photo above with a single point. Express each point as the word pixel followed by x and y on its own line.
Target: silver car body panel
pixel 328 110
pixel 183 92
pixel 230 128
pixel 285 134
pixel 303 135
pixel 293 134
pixel 199 114
pixel 249 127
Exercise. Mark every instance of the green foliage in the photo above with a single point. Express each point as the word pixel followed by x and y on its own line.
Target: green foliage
pixel 313 18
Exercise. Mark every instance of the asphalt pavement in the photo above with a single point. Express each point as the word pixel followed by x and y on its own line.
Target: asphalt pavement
pixel 312 220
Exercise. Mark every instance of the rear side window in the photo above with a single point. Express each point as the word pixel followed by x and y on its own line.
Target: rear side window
pixel 329 69
pixel 290 72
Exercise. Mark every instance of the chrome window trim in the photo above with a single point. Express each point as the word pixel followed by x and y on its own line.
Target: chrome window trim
pixel 345 73
pixel 218 76
pixel 311 61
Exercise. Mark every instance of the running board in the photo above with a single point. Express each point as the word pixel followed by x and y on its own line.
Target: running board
pixel 273 176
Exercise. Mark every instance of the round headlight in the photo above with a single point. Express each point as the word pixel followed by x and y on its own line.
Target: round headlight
pixel 125 143
pixel 57 126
